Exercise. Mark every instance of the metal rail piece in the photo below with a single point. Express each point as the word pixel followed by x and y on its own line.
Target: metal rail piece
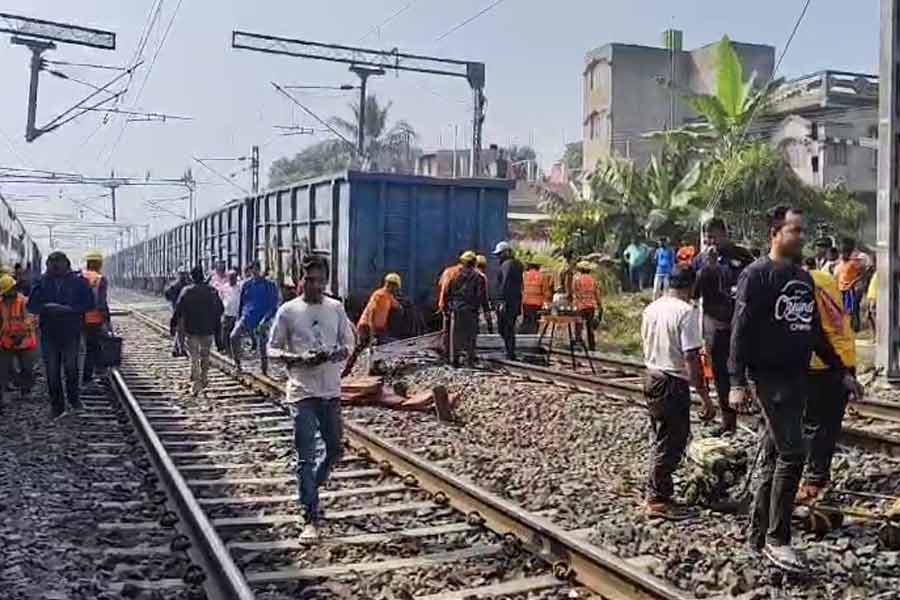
pixel 227 581
pixel 602 572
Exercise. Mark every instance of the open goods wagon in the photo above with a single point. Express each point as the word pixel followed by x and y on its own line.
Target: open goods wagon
pixel 366 224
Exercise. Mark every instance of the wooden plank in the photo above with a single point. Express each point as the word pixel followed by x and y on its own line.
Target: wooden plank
pixel 266 520
pixel 293 574
pixel 360 539
pixel 507 588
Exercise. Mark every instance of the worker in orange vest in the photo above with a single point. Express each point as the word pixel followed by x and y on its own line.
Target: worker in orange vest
pixel 374 319
pixel 96 320
pixel 586 298
pixel 18 340
pixel 534 288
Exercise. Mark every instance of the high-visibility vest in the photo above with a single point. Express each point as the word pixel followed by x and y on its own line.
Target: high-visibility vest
pixel 547 287
pixel 95 315
pixel 17 331
pixel 583 292
pixel 533 289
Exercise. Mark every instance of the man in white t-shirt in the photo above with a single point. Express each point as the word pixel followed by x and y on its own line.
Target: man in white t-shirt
pixel 313 336
pixel 231 299
pixel 670 331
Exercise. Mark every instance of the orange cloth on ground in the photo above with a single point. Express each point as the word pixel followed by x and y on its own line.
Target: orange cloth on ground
pixel 848 273
pixel 584 292
pixel 378 310
pixel 532 289
pixel 686 255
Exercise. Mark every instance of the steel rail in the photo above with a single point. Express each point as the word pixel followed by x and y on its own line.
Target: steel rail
pixel 850 435
pixel 866 408
pixel 225 579
pixel 604 573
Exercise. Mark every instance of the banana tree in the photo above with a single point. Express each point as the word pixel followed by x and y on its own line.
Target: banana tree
pixel 729 111
pixel 672 194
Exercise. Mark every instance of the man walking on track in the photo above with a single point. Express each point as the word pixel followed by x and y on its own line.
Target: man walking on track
pixel 465 293
pixel 60 299
pixel 231 299
pixel 198 313
pixel 587 303
pixel 96 320
pixel 313 336
pixel 18 339
pixel 670 331
pixel 827 398
pixel 171 293
pixel 219 280
pixel 509 290
pixel 718 269
pixel 258 303
pixel 776 327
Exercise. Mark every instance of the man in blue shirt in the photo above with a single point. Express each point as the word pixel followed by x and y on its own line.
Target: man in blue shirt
pixel 60 298
pixel 258 304
pixel 665 261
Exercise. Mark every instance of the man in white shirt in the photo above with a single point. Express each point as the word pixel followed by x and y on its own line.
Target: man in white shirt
pixel 230 293
pixel 670 331
pixel 219 280
pixel 313 336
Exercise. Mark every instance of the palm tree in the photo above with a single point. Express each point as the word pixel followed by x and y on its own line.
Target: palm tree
pixel 391 148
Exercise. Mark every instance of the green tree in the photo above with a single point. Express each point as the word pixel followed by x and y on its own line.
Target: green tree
pixel 518 153
pixel 573 156
pixel 321 158
pixel 392 147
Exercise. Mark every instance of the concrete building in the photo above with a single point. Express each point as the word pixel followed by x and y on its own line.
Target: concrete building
pixel 630 90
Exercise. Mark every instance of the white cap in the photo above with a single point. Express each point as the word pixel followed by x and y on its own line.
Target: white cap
pixel 502 247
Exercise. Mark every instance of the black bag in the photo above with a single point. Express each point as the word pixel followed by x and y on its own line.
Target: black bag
pixel 110 351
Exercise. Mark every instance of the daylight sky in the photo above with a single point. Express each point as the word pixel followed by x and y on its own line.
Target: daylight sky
pixel 534 52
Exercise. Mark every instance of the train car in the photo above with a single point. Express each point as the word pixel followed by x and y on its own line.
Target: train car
pixel 16 246
pixel 366 224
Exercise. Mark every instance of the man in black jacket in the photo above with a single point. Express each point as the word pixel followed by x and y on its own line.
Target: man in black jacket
pixel 198 314
pixel 774 331
pixel 509 292
pixel 718 269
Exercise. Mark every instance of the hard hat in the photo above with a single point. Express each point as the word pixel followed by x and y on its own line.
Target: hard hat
pixel 6 283
pixel 502 247
pixel 467 257
pixel 481 260
pixel 393 278
pixel 6 270
pixel 93 255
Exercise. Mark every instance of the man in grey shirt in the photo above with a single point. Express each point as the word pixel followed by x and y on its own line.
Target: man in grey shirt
pixel 670 331
pixel 313 336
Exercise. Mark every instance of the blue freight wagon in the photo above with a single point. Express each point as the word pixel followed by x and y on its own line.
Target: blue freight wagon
pixel 366 224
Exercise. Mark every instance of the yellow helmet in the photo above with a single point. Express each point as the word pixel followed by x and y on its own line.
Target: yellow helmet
pixel 6 283
pixel 5 269
pixel 393 278
pixel 481 260
pixel 467 257
pixel 93 255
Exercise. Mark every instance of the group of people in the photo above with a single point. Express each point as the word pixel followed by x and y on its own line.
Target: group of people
pixel 777 331
pixel 54 313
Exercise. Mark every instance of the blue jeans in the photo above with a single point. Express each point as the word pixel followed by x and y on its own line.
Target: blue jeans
pixel 61 358
pixel 316 415
pixel 260 333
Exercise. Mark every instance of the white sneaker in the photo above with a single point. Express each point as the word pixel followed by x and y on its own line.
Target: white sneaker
pixel 310 533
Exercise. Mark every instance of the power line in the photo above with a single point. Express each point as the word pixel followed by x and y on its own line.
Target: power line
pixel 469 20
pixel 86 65
pixel 316 117
pixel 393 16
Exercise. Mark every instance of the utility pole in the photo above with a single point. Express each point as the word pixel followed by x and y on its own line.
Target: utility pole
pixel 37 49
pixel 254 169
pixel 888 243
pixel 112 185
pixel 363 73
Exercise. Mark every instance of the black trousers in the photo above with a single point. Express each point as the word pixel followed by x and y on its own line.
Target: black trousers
pixel 669 403
pixel 822 420
pixel 591 319
pixel 92 335
pixel 506 327
pixel 718 342
pixel 463 336
pixel 529 320
pixel 781 398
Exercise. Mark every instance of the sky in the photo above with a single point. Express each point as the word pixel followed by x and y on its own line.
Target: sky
pixel 533 50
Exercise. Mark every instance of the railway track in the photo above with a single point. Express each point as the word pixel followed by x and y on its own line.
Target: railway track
pixel 870 424
pixel 395 523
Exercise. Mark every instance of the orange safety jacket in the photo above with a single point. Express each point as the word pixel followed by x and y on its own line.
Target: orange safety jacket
pixel 444 284
pixel 93 316
pixel 378 310
pixel 584 292
pixel 17 331
pixel 532 289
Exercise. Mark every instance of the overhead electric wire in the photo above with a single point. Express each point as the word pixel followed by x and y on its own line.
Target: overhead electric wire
pixel 393 16
pixel 316 117
pixel 222 177
pixel 86 65
pixel 459 26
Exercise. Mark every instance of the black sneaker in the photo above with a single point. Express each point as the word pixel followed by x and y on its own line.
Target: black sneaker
pixel 669 511
pixel 785 557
